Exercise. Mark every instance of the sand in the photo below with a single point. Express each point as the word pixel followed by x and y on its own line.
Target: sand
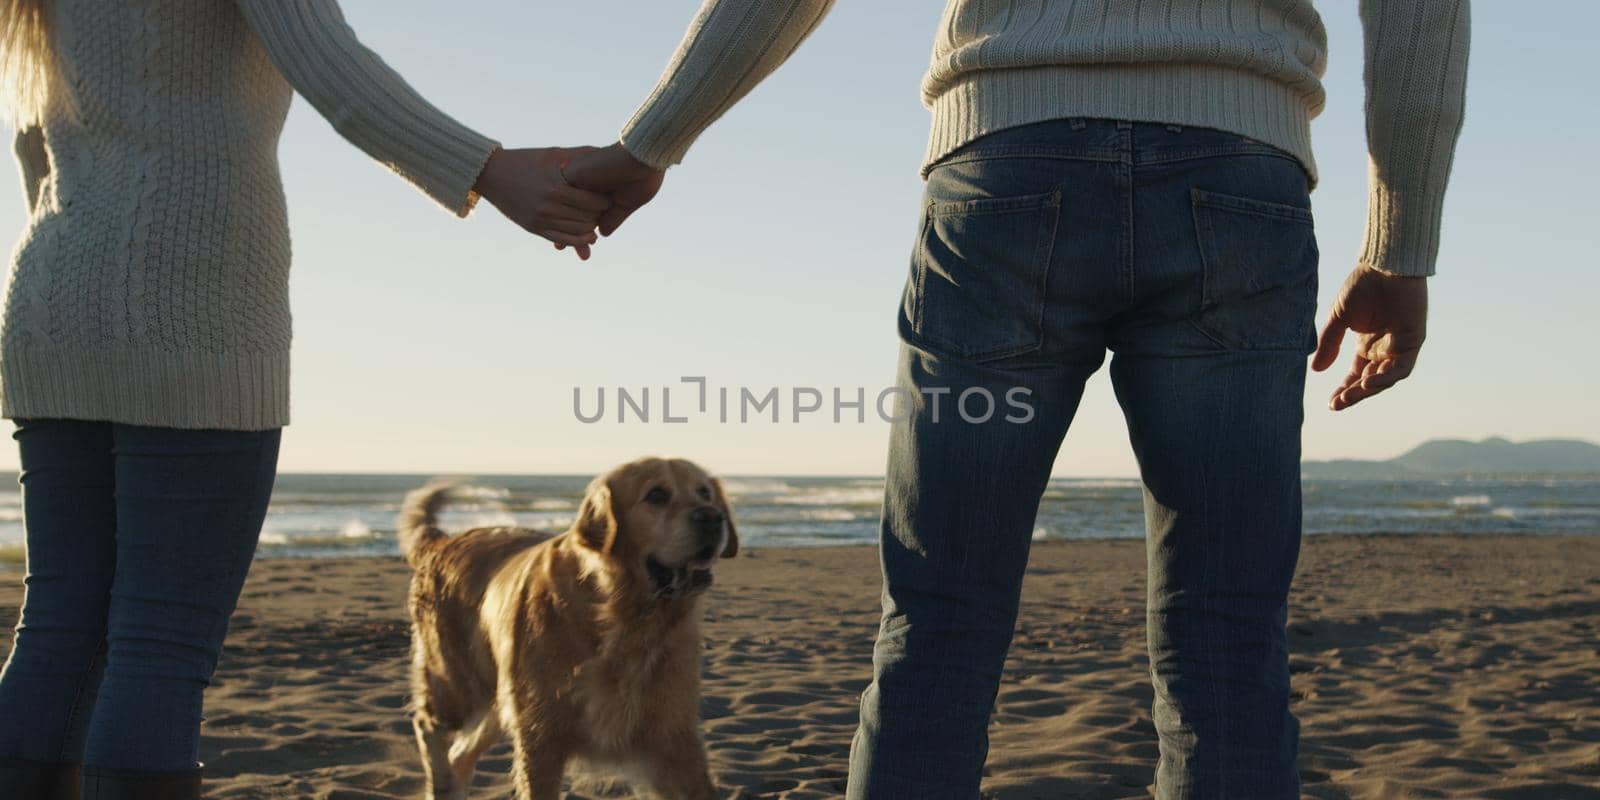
pixel 1424 667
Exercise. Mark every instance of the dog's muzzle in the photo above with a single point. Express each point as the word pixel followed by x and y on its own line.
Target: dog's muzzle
pixel 667 582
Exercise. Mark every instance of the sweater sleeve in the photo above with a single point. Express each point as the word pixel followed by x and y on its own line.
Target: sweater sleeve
pixel 367 102
pixel 1416 79
pixel 33 162
pixel 729 48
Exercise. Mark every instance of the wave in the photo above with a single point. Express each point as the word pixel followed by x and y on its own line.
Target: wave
pixel 355 529
pixel 475 492
pixel 832 497
pixel 1096 483
pixel 737 487
pixel 771 515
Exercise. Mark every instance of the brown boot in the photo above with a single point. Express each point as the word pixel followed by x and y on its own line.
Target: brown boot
pixel 127 784
pixel 37 780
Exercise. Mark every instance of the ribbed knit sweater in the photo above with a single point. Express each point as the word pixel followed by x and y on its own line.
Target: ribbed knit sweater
pixel 151 284
pixel 1252 67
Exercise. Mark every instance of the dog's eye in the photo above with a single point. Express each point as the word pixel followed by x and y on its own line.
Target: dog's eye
pixel 657 496
pixel 705 493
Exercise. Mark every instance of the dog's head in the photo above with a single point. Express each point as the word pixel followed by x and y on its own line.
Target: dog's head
pixel 666 521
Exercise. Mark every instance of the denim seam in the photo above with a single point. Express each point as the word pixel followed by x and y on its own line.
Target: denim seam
pixel 1048 246
pixel 1126 159
pixel 919 270
pixel 1217 556
pixel 995 205
pixel 77 701
pixel 1108 155
pixel 1173 156
pixel 1203 233
pixel 1202 198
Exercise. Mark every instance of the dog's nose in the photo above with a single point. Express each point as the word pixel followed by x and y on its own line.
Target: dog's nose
pixel 706 515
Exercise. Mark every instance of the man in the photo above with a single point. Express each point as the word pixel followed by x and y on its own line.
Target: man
pixel 1133 177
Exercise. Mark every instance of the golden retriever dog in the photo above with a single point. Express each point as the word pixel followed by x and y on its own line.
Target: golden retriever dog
pixel 581 646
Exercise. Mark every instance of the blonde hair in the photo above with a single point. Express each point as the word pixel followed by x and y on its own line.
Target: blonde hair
pixel 24 60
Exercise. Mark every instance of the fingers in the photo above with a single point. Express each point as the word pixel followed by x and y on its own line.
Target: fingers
pixel 1351 379
pixel 1373 377
pixel 582 199
pixel 581 250
pixel 1355 394
pixel 576 227
pixel 594 170
pixel 1327 344
pixel 562 237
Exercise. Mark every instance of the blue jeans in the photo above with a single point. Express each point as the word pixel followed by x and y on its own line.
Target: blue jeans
pixel 138 544
pixel 1189 255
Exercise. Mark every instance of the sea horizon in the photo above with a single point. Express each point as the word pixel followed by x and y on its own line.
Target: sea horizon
pixel 337 514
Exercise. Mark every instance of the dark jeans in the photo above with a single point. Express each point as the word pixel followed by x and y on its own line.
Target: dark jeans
pixel 1189 255
pixel 138 544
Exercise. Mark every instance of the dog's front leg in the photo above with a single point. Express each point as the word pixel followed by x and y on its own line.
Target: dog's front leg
pixel 434 743
pixel 471 742
pixel 676 767
pixel 536 768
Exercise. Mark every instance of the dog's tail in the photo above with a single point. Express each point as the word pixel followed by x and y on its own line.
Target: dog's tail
pixel 417 524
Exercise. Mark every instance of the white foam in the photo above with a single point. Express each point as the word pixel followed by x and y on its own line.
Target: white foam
pixel 355 529
pixel 474 492
pixel 739 488
pixel 1095 483
pixel 492 519
pixel 832 497
pixel 825 515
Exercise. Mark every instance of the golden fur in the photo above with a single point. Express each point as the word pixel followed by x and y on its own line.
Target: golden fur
pixel 578 646
pixel 25 58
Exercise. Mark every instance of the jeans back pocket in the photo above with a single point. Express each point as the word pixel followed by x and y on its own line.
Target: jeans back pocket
pixel 1260 272
pixel 978 278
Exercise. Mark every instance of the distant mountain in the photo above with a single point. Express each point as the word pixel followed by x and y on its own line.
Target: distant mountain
pixel 1453 457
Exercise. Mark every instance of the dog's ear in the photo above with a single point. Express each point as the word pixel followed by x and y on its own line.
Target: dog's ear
pixel 597 518
pixel 732 549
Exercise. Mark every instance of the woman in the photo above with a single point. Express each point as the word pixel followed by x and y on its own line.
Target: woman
pixel 145 344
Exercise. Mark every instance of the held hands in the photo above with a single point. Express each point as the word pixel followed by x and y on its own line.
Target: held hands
pixel 528 188
pixel 564 194
pixel 614 171
pixel 1389 314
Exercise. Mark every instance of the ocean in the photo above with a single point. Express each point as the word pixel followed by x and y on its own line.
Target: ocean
pixel 353 515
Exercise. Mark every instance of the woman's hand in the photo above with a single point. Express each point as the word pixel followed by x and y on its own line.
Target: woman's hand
pixel 527 186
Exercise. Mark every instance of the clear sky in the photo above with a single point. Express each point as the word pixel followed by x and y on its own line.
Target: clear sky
pixel 775 254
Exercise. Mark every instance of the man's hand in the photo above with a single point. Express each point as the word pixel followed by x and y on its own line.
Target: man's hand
pixel 614 171
pixel 527 186
pixel 1390 315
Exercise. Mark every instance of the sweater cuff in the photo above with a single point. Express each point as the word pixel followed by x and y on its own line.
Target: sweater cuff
pixel 1402 234
pixel 653 147
pixel 450 168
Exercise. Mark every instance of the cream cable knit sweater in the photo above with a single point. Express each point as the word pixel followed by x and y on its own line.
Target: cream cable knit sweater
pixel 1252 67
pixel 151 283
